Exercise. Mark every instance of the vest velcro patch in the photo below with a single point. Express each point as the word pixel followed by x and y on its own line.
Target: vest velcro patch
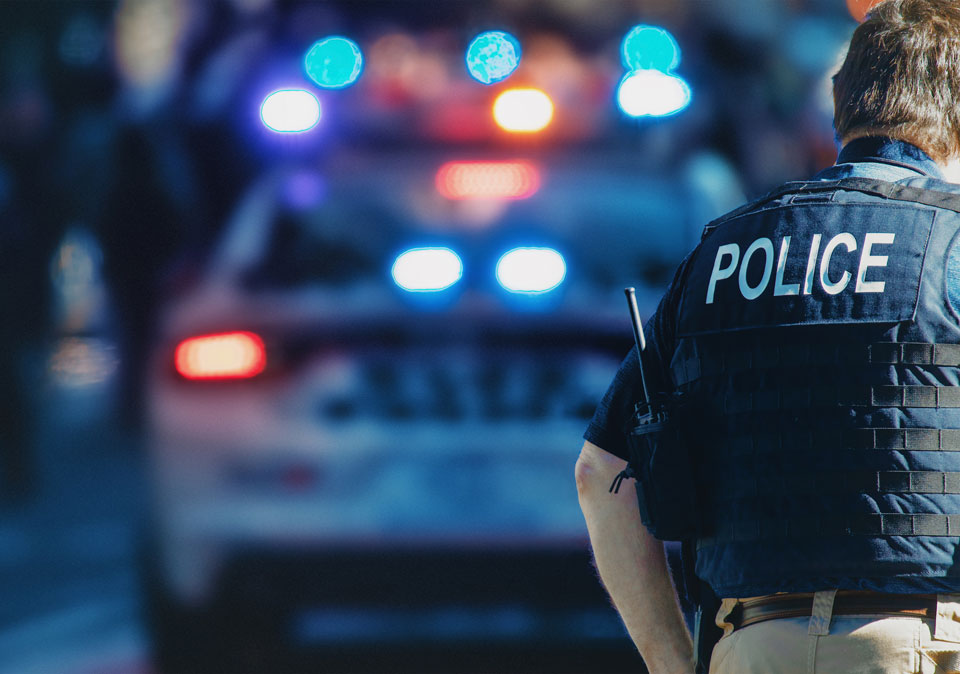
pixel 846 439
pixel 872 524
pixel 730 488
pixel 723 362
pixel 835 263
pixel 850 396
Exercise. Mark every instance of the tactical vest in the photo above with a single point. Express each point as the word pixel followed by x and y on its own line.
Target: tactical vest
pixel 820 355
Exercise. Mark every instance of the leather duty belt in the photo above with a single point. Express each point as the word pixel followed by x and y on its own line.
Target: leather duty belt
pixel 848 602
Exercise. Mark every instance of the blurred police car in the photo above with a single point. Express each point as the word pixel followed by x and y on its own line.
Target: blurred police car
pixel 364 417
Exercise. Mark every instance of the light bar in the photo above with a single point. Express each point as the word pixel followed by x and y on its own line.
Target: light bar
pixel 531 270
pixel 651 93
pixel 523 110
pixel 229 355
pixel 493 56
pixel 290 111
pixel 427 269
pixel 488 179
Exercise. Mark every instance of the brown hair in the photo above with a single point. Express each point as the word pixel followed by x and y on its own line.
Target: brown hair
pixel 901 76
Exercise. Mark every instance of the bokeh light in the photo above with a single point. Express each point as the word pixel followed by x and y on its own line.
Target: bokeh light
pixel 531 270
pixel 304 189
pixel 400 69
pixel 523 110
pixel 493 56
pixel 232 355
pixel 78 362
pixel 427 269
pixel 148 40
pixel 650 48
pixel 860 8
pixel 290 111
pixel 488 179
pixel 334 62
pixel 651 93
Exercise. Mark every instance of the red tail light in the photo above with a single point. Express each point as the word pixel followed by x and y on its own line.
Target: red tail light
pixel 229 355
pixel 488 179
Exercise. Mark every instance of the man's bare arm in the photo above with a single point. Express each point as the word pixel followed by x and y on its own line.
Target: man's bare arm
pixel 632 565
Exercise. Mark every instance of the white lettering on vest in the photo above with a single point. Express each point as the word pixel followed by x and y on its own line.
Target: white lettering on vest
pixel 867 260
pixel 766 245
pixel 728 259
pixel 848 241
pixel 811 264
pixel 719 272
pixel 779 289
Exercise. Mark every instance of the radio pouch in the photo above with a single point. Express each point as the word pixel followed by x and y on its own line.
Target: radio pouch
pixel 660 463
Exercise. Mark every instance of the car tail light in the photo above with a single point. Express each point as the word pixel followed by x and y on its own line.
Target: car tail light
pixel 229 355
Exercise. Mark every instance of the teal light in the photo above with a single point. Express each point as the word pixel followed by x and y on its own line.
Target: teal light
pixel 334 62
pixel 650 48
pixel 493 56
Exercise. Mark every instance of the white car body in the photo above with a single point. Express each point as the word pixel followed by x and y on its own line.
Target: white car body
pixel 387 426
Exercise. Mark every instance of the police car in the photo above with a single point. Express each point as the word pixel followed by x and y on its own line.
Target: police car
pixel 364 417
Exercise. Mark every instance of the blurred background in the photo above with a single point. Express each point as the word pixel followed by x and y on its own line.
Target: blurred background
pixel 305 306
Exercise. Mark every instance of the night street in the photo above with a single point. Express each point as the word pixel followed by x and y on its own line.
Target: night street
pixel 67 555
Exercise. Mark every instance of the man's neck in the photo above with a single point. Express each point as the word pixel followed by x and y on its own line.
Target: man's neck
pixel 951 170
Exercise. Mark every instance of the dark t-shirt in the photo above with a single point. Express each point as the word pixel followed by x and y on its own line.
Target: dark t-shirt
pixel 611 422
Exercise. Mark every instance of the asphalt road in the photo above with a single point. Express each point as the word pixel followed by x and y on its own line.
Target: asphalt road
pixel 69 592
pixel 67 573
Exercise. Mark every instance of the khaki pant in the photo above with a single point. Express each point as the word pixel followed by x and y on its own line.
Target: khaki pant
pixel 827 644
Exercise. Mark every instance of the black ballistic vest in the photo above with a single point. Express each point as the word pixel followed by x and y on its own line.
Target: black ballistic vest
pixel 821 357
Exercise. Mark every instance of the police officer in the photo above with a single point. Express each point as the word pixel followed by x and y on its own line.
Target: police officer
pixel 811 346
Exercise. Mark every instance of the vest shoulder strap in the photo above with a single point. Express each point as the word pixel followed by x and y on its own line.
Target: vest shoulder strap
pixel 880 188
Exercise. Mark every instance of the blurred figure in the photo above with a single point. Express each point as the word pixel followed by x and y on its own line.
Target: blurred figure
pixel 28 215
pixel 22 324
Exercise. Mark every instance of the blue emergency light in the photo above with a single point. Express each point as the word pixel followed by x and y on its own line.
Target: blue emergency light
pixel 650 48
pixel 531 270
pixel 334 62
pixel 652 93
pixel 290 111
pixel 493 56
pixel 427 269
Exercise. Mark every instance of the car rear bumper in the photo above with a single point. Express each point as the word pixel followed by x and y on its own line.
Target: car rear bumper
pixel 351 595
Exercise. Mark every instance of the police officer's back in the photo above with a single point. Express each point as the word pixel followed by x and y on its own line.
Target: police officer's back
pixel 811 348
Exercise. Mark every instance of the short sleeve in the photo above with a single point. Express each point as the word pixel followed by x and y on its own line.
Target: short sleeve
pixel 612 420
pixel 608 428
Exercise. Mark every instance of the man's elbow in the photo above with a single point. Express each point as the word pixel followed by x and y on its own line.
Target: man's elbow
pixel 595 470
pixel 584 474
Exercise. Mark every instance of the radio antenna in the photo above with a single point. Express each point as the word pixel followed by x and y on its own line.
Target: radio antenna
pixel 631 294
